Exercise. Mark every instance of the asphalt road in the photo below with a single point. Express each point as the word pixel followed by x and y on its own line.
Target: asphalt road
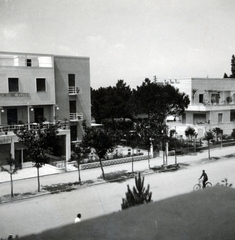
pixel 45 212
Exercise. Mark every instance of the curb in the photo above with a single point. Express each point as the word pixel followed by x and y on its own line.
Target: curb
pixel 89 185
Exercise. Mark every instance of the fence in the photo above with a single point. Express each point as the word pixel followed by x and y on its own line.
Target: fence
pixel 112 162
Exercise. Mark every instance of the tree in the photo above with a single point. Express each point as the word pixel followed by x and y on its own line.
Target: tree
pixel 158 101
pixel 147 133
pixel 111 102
pixel 39 144
pixel 233 67
pixel 190 133
pixel 209 135
pixel 225 75
pixel 155 102
pixel 218 132
pixel 133 141
pixel 12 169
pixel 139 195
pixel 77 155
pixel 101 140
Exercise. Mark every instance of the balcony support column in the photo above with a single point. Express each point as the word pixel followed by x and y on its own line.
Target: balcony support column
pixel 68 149
pixel 12 148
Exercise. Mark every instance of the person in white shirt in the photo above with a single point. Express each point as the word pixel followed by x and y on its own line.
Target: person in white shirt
pixel 78 218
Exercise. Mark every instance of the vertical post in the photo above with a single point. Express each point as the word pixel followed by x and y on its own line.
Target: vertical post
pixel 22 156
pixel 68 150
pixel 175 158
pixel 28 112
pixel 53 113
pixel 221 139
pixel 166 153
pixel 12 148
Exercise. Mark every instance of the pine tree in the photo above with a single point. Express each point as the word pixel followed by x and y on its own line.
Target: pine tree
pixel 139 195
pixel 233 67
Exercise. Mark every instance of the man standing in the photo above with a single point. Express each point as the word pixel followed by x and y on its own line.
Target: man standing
pixel 78 218
pixel 205 178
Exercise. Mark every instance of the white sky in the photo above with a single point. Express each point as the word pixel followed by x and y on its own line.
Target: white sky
pixel 126 39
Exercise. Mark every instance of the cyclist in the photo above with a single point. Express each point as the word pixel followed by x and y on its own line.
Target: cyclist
pixel 205 178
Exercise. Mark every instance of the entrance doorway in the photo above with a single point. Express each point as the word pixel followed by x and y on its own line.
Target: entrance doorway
pixel 39 115
pixel 12 116
pixel 73 132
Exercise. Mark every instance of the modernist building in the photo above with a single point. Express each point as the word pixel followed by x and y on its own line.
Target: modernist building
pixel 212 104
pixel 36 87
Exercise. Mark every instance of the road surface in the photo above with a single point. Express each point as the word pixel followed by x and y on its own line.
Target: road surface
pixel 50 211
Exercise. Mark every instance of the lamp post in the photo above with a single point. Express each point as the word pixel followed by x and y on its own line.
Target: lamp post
pixel 2 111
pixel 55 108
pixel 151 149
pixel 29 108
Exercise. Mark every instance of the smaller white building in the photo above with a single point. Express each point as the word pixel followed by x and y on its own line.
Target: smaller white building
pixel 212 104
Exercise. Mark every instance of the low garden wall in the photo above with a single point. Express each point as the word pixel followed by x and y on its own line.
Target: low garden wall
pixel 111 162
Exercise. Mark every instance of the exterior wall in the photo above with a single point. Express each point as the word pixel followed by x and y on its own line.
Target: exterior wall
pixel 55 70
pixel 27 86
pixel 81 68
pixel 211 107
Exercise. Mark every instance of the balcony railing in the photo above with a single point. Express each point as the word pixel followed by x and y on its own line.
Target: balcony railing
pixel 209 107
pixel 76 117
pixel 34 126
pixel 74 90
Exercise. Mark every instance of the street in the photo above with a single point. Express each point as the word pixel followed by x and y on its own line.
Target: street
pixel 37 214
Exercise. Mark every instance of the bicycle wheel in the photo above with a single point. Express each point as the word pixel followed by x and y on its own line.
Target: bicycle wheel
pixel 197 187
pixel 208 184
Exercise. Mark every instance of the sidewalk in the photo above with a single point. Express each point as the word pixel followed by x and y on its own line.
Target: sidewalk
pixel 193 158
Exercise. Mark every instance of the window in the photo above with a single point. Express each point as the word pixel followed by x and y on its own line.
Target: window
pixel 41 84
pixel 71 80
pixel 232 115
pixel 215 98
pixel 200 98
pixel 13 84
pixel 220 117
pixel 72 107
pixel 29 62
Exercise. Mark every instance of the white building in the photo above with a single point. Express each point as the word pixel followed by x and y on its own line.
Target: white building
pixel 212 104
pixel 42 86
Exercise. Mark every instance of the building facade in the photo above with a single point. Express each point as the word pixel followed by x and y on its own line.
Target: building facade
pixel 42 87
pixel 212 104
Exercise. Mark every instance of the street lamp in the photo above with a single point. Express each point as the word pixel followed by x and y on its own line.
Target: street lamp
pixel 151 149
pixel 29 108
pixel 55 108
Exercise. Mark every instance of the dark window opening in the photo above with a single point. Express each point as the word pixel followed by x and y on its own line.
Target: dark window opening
pixel 71 80
pixel 29 62
pixel 232 115
pixel 200 98
pixel 39 115
pixel 73 131
pixel 72 106
pixel 12 116
pixel 13 84
pixel 41 84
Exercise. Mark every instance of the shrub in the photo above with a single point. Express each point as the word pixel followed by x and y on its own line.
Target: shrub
pixel 139 195
pixel 225 183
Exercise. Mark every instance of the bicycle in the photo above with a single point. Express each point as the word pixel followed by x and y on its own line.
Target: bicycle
pixel 199 185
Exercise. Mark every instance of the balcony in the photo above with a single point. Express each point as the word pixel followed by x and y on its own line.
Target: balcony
pixel 211 107
pixel 76 117
pixel 4 130
pixel 74 90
